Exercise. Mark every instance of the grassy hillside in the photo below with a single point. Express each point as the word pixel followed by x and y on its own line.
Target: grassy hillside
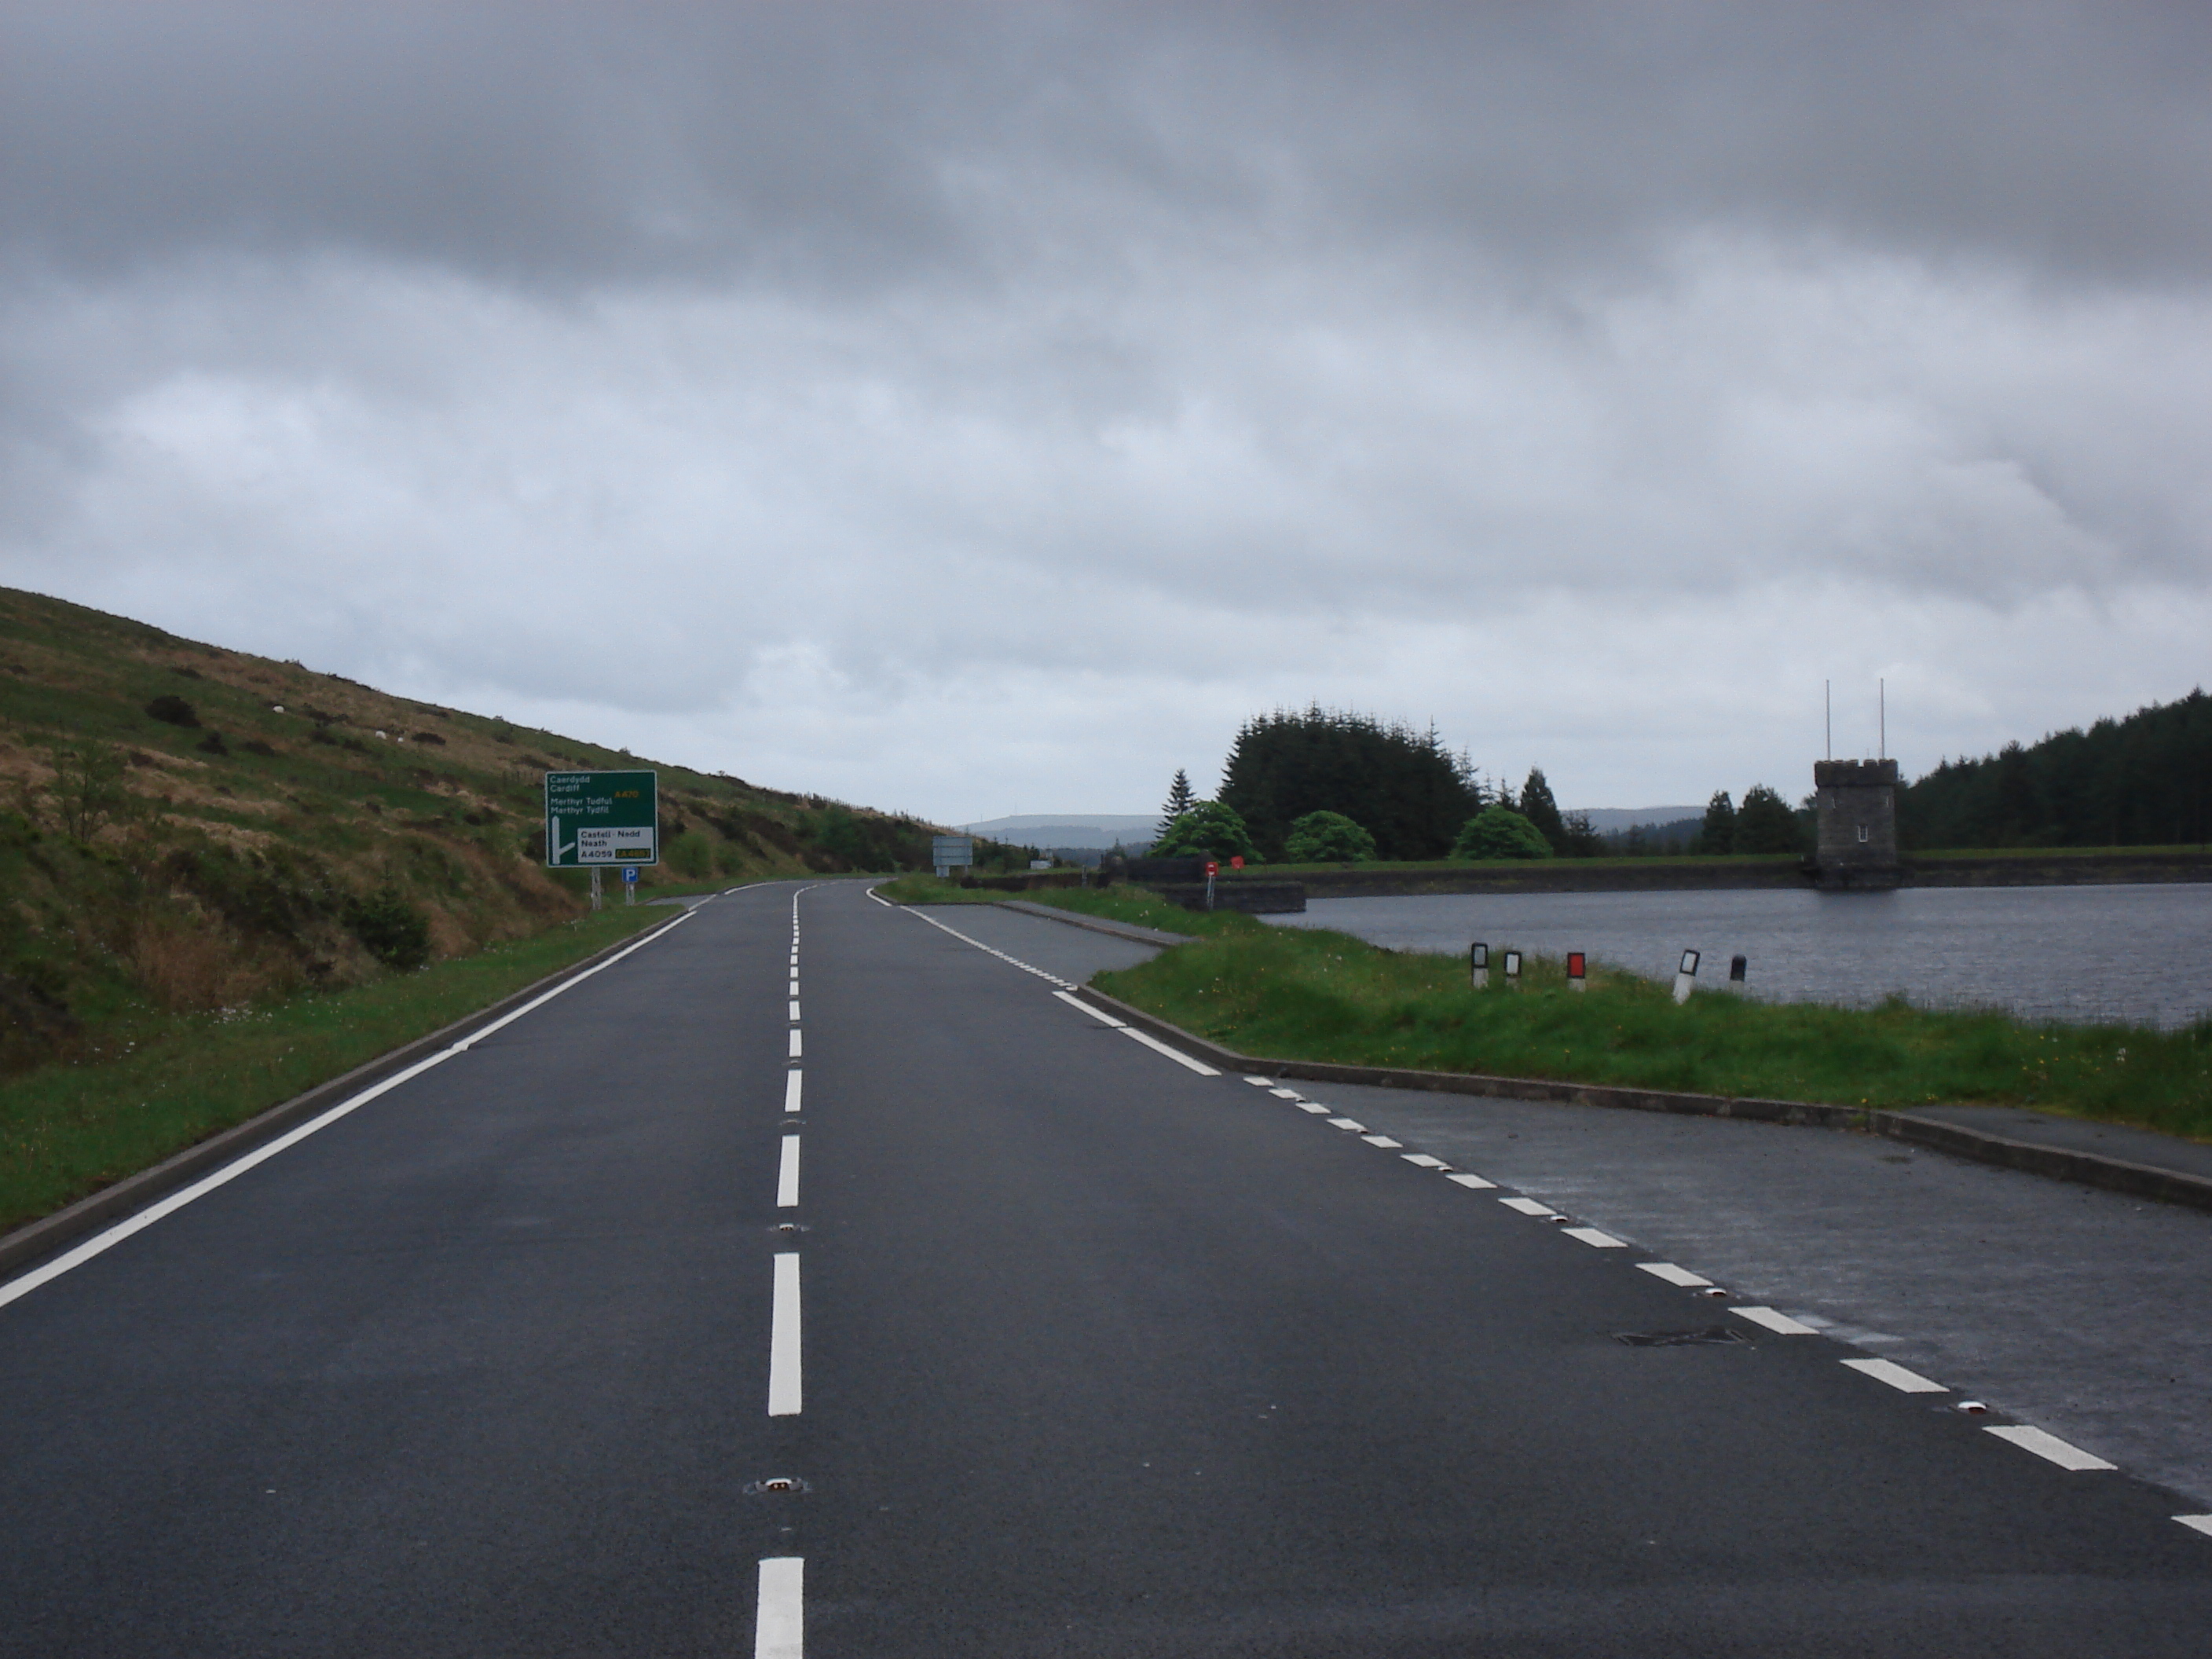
pixel 186 830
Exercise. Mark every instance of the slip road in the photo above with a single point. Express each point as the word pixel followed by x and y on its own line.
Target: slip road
pixel 817 1279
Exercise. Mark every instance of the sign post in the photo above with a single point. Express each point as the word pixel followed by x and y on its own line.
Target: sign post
pixel 1212 869
pixel 951 853
pixel 593 819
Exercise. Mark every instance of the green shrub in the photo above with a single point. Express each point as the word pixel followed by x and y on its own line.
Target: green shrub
pixel 390 929
pixel 691 855
pixel 1323 837
pixel 1497 833
pixel 1210 830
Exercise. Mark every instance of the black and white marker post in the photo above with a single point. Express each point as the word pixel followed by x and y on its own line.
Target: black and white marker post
pixel 1512 970
pixel 1739 967
pixel 1685 976
pixel 1477 965
pixel 1577 970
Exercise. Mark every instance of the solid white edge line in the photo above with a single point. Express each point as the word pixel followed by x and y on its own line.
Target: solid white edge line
pixel 990 950
pixel 791 1088
pixel 787 1175
pixel 1180 1059
pixel 1098 1014
pixel 1595 1239
pixel 1889 1371
pixel 1472 1182
pixel 783 1339
pixel 102 1242
pixel 1780 1323
pixel 2196 1523
pixel 1673 1274
pixel 780 1624
pixel 2047 1446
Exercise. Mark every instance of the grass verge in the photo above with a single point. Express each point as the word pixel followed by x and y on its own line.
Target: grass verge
pixel 1300 993
pixel 156 1085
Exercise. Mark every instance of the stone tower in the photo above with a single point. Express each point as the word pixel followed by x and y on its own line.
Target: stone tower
pixel 1855 803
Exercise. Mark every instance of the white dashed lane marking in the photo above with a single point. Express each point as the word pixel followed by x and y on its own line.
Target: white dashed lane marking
pixel 1889 1371
pixel 1351 1124
pixel 1422 1160
pixel 791 1087
pixel 787 1174
pixel 780 1626
pixel 1315 1107
pixel 2048 1446
pixel 1383 1141
pixel 784 1392
pixel 794 1010
pixel 1593 1237
pixel 1527 1207
pixel 795 1053
pixel 2196 1523
pixel 1780 1324
pixel 1473 1182
pixel 1674 1275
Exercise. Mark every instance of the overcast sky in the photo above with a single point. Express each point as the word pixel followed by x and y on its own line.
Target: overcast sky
pixel 983 408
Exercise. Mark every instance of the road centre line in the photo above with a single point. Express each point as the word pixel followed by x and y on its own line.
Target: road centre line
pixel 787 1175
pixel 1351 1126
pixel 1780 1323
pixel 791 1086
pixel 2196 1523
pixel 1383 1141
pixel 1315 1107
pixel 102 1241
pixel 794 1010
pixel 794 1054
pixel 2048 1446
pixel 1889 1371
pixel 783 1339
pixel 1472 1182
pixel 1422 1160
pixel 1673 1274
pixel 780 1623
pixel 1527 1207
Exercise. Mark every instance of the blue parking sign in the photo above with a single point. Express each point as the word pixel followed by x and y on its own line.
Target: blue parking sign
pixel 630 874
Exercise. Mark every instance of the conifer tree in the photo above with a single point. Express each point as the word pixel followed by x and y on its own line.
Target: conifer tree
pixel 1181 799
pixel 1717 833
pixel 1540 810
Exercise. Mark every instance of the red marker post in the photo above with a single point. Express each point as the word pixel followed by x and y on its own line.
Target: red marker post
pixel 1212 869
pixel 1577 970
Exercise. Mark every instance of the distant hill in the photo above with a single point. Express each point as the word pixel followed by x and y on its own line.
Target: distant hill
pixel 1607 819
pixel 2144 780
pixel 1097 830
pixel 198 827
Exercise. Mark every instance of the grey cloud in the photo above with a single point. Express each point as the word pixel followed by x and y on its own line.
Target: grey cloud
pixel 841 148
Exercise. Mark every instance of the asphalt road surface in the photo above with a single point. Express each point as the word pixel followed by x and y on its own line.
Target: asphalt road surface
pixel 997 1332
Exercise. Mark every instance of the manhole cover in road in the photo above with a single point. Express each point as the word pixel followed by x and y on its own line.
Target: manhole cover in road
pixel 1707 1333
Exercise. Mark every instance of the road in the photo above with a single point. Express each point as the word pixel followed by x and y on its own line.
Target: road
pixel 1016 1337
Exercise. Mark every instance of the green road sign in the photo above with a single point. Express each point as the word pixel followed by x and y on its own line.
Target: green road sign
pixel 602 817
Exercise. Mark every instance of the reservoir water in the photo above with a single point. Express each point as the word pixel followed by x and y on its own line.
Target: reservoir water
pixel 2141 954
